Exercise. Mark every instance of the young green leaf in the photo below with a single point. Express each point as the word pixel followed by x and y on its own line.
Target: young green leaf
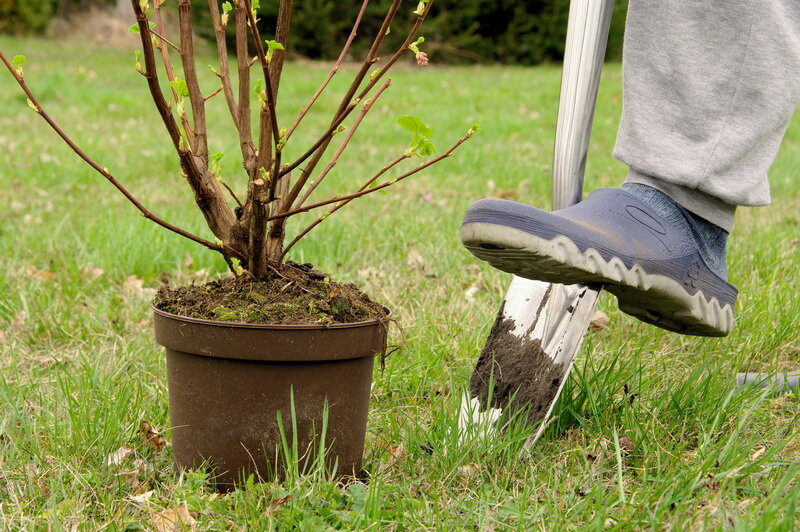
pixel 18 60
pixel 135 27
pixel 272 45
pixel 227 7
pixel 180 87
pixel 415 125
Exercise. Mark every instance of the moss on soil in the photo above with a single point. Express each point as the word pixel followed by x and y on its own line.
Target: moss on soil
pixel 297 294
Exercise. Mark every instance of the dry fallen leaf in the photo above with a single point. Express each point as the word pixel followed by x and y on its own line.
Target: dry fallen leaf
pixel 152 438
pixel 599 321
pixel 118 456
pixel 757 453
pixel 172 519
pixel 397 452
pixel 132 286
pixel 470 292
pixel 91 271
pixel 274 504
pixel 142 497
pixel 3 336
pixel 188 261
pixel 626 445
pixel 39 275
pixel 20 320
pixel 416 261
pixel 467 471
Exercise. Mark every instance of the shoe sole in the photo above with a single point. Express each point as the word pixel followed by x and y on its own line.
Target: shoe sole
pixel 652 298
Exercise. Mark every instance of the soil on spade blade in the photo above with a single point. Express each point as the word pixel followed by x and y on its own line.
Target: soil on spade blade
pixel 297 294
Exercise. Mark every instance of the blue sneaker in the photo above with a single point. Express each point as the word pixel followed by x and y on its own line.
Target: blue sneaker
pixel 610 238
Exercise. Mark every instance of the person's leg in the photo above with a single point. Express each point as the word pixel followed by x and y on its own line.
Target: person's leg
pixel 709 88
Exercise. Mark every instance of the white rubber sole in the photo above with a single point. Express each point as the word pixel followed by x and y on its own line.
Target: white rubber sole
pixel 652 298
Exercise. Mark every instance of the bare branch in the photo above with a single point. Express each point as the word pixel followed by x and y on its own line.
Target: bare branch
pixel 225 250
pixel 170 74
pixel 161 31
pixel 262 57
pixel 196 99
pixel 341 204
pixel 351 131
pixel 242 59
pixel 333 71
pixel 207 192
pixel 370 190
pixel 348 104
pixel 222 53
pixel 216 91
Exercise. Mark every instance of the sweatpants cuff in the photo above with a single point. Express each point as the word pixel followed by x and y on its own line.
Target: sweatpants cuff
pixel 700 203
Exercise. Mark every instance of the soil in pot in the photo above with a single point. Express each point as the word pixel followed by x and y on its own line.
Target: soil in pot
pixel 229 382
pixel 297 294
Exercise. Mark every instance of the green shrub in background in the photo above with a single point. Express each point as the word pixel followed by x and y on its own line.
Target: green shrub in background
pixel 33 16
pixel 457 31
pixel 506 31
pixel 25 16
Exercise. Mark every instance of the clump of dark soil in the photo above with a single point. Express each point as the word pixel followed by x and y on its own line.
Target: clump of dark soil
pixel 294 295
pixel 516 372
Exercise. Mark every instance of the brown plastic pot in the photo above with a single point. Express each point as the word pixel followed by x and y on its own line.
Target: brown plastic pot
pixel 228 382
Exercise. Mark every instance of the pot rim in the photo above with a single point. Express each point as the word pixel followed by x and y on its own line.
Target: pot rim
pixel 242 325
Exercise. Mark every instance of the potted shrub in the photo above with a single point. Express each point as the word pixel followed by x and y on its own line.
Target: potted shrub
pixel 275 357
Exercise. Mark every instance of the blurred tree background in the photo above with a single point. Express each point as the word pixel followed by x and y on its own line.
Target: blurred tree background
pixel 523 32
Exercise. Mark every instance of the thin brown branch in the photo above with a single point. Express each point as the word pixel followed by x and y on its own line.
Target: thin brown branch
pixel 222 53
pixel 225 250
pixel 170 73
pixel 231 192
pixel 333 71
pixel 370 190
pixel 208 197
pixel 348 137
pixel 341 204
pixel 216 91
pixel 348 104
pixel 270 92
pixel 196 98
pixel 159 33
pixel 242 60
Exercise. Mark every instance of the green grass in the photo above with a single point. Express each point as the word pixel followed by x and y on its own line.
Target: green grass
pixel 79 370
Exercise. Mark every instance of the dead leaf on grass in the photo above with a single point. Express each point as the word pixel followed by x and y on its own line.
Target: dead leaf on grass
pixel 188 261
pixel 133 288
pixel 142 498
pixel 274 504
pixel 397 453
pixel 371 274
pixel 468 471
pixel 626 445
pixel 416 261
pixel 172 519
pixel 39 275
pixel 152 438
pixel 19 321
pixel 3 336
pixel 90 270
pixel 118 456
pixel 470 291
pixel 599 320
pixel 757 453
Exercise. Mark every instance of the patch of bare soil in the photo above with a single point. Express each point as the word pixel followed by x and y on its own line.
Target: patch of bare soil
pixel 296 294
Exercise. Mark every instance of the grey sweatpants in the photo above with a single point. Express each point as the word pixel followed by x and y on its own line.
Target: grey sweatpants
pixel 709 87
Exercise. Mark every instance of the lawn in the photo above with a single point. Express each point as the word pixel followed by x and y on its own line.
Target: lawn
pixel 80 372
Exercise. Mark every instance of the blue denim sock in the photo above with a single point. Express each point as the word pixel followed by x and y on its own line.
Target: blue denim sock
pixel 710 239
